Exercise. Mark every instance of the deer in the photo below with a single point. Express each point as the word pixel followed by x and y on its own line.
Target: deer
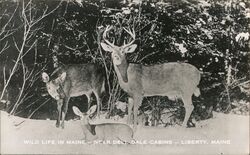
pixel 172 79
pixel 72 81
pixel 104 131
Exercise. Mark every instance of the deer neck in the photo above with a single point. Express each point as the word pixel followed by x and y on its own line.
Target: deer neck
pixel 89 131
pixel 121 71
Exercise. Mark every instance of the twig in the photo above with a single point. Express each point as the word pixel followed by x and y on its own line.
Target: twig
pixel 38 108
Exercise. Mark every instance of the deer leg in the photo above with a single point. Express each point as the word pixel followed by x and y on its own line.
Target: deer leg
pixel 130 106
pixel 88 97
pixel 65 109
pixel 59 110
pixel 98 101
pixel 137 103
pixel 188 105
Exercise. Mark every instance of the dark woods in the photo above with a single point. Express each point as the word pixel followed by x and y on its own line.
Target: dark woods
pixel 39 36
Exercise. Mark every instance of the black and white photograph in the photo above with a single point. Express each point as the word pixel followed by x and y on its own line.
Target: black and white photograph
pixel 125 77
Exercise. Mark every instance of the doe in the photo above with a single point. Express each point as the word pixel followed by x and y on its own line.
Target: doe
pixel 74 80
pixel 104 131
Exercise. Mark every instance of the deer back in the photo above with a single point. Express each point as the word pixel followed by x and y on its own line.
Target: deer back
pixel 168 79
pixel 82 79
pixel 74 80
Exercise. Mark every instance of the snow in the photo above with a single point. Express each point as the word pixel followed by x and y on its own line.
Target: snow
pixel 243 36
pixel 181 48
pixel 121 105
pixel 242 4
pixel 204 3
pixel 179 11
pixel 126 11
pixel 223 134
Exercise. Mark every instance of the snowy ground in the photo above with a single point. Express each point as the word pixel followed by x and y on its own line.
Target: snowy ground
pixel 223 134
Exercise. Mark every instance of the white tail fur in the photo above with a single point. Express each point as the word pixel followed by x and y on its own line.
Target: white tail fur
pixel 197 92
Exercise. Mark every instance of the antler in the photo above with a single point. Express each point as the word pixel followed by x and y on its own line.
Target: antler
pixel 132 35
pixel 108 28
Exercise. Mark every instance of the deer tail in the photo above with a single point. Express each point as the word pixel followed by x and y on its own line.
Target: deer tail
pixel 197 92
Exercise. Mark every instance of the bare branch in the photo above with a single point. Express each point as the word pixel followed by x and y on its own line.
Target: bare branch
pixel 5 47
pixel 46 14
pixel 15 43
pixel 3 29
pixel 38 108
pixel 34 43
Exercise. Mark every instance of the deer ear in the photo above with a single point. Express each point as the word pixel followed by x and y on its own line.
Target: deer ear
pixel 130 49
pixel 45 77
pixel 77 111
pixel 91 110
pixel 62 77
pixel 106 47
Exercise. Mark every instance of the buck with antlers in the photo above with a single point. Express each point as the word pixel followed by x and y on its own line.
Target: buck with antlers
pixel 74 80
pixel 167 79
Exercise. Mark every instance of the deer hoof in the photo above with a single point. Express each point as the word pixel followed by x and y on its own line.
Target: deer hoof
pixel 184 126
pixel 62 125
pixel 57 124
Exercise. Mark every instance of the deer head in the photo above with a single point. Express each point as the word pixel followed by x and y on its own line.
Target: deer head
pixel 54 86
pixel 118 53
pixel 84 116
